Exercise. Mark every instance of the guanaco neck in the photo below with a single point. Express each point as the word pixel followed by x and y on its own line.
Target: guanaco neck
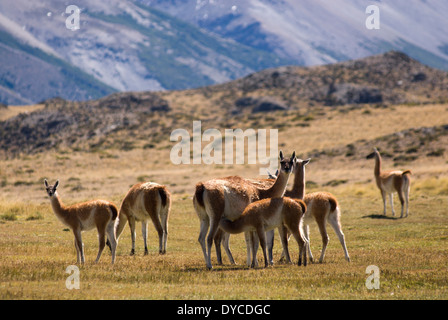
pixel 58 207
pixel 377 169
pixel 233 227
pixel 277 190
pixel 298 188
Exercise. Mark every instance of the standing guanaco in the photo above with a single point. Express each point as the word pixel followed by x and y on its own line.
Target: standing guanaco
pixel 390 181
pixel 86 216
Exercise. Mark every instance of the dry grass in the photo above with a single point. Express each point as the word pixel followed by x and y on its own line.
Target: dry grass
pixel 86 172
pixel 15 110
pixel 411 253
pixel 341 128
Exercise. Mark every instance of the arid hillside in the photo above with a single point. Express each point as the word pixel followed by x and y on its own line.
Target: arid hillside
pixel 334 114
pixel 280 98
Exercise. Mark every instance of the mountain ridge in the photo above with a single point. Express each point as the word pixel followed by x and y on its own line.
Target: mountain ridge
pixel 322 32
pixel 139 45
pixel 123 46
pixel 137 119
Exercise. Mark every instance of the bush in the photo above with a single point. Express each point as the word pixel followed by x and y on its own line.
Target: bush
pixel 436 153
pixel 10 216
pixel 336 182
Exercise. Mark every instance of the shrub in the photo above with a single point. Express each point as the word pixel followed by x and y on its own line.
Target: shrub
pixel 10 216
pixel 436 153
pixel 335 182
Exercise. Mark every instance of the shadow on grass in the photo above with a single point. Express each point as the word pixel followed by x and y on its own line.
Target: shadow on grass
pixel 216 268
pixel 230 268
pixel 381 216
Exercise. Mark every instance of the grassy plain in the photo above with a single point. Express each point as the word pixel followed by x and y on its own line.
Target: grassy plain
pixel 411 253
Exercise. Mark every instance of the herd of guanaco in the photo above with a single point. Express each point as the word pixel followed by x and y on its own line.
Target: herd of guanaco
pixel 227 206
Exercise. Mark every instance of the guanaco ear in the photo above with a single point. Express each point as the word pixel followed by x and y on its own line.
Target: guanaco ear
pixel 56 184
pixel 46 183
pixel 305 162
pixel 281 155
pixel 293 157
pixel 273 176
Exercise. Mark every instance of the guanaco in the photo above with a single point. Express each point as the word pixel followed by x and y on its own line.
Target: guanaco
pixel 85 216
pixel 229 197
pixel 390 181
pixel 267 214
pixel 143 202
pixel 322 207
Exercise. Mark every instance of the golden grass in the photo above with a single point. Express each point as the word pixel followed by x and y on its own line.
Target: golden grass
pixel 411 253
pixel 340 128
pixel 13 111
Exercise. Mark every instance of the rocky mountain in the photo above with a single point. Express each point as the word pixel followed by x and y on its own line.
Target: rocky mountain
pixel 389 78
pixel 120 45
pixel 321 32
pixel 140 45
pixel 145 119
pixel 80 124
pixel 29 75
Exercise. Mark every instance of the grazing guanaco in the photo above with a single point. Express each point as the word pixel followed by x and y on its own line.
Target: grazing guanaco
pixel 390 181
pixel 228 198
pixel 267 214
pixel 86 216
pixel 321 206
pixel 146 201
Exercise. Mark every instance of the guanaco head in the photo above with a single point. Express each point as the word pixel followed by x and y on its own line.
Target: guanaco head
pixel 299 164
pixel 51 190
pixel 286 165
pixel 373 154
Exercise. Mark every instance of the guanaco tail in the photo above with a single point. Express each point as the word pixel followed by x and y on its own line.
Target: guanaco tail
pixel 143 202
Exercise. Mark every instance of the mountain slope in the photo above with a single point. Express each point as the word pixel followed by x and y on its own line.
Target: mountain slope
pixel 320 32
pixel 123 45
pixel 274 98
pixel 29 75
